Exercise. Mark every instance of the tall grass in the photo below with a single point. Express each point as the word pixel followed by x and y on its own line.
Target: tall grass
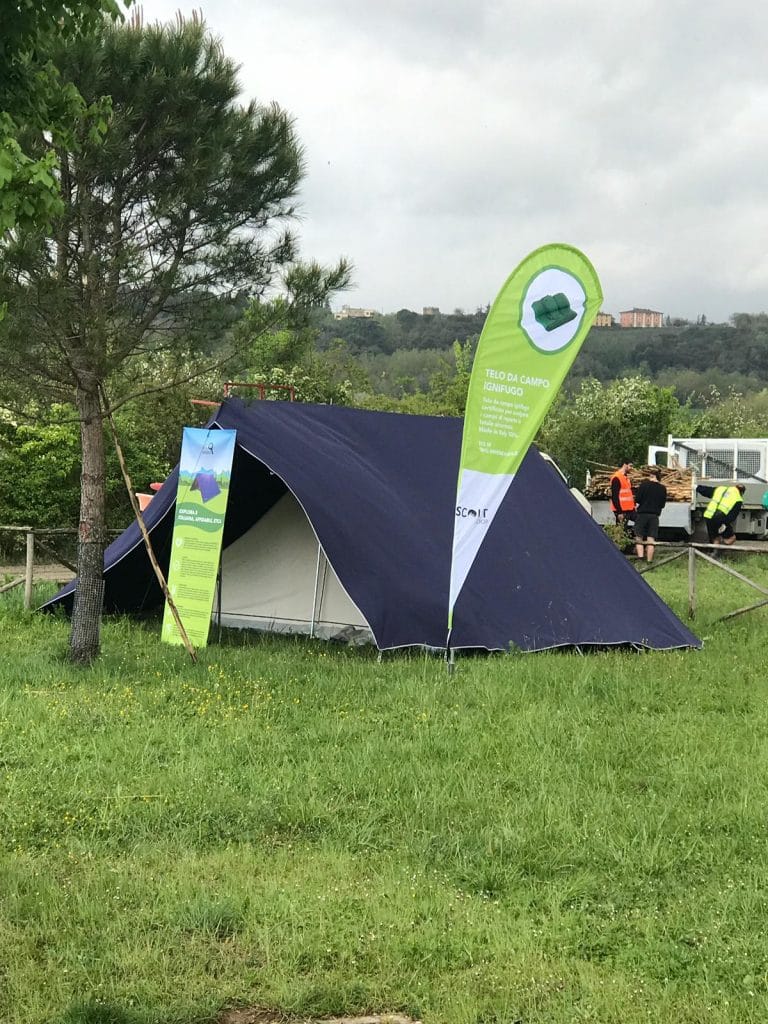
pixel 540 838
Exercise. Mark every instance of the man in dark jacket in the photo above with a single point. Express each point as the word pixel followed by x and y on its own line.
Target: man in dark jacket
pixel 722 511
pixel 651 498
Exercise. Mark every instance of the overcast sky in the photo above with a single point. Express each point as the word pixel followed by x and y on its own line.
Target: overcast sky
pixel 445 139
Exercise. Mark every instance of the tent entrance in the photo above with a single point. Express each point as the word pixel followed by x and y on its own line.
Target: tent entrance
pixel 276 577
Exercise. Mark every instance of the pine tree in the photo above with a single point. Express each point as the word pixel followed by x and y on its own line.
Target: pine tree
pixel 170 221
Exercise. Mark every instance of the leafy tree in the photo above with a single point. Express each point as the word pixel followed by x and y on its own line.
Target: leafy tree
pixel 177 213
pixel 406 370
pixel 339 366
pixel 40 472
pixel 402 330
pixel 724 412
pixel 602 424
pixel 309 383
pixel 447 391
pixel 448 388
pixel 362 335
pixel 32 95
pixel 40 464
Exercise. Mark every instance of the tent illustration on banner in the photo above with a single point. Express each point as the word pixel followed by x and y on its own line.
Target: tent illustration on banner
pixel 205 482
pixel 340 525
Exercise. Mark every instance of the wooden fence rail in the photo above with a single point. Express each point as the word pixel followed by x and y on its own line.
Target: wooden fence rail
pixel 33 535
pixel 709 553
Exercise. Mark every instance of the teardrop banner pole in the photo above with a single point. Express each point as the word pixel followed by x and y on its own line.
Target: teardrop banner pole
pixel 531 336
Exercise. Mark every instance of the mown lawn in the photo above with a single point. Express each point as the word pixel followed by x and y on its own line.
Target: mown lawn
pixel 536 838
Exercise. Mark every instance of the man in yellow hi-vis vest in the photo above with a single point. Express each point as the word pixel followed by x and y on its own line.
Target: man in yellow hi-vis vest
pixel 722 511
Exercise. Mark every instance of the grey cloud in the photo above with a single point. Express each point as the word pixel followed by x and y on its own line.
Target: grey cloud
pixel 446 139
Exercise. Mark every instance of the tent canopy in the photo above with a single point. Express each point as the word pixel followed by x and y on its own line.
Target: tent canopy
pixel 356 509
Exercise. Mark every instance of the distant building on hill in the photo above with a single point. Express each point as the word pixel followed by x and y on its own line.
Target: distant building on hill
pixel 354 313
pixel 430 311
pixel 605 320
pixel 641 318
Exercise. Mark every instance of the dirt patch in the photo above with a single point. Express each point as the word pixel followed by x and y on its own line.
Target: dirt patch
pixel 41 573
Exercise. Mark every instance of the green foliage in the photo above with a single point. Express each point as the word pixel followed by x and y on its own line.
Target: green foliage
pixel 448 388
pixel 40 464
pixel 391 332
pixel 279 349
pixel 689 358
pixel 181 220
pixel 34 27
pixel 602 424
pixel 28 191
pixel 446 394
pixel 405 371
pixel 34 100
pixel 309 383
pixel 619 535
pixel 729 414
pixel 40 472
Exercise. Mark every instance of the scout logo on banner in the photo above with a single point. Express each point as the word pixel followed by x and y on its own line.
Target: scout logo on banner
pixel 531 336
pixel 201 504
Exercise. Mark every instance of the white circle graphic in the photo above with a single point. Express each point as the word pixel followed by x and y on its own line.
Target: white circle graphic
pixel 553 309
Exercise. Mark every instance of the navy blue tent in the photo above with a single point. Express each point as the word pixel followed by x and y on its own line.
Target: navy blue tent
pixel 356 509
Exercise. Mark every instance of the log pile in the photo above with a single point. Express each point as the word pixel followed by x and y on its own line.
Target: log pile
pixel 677 481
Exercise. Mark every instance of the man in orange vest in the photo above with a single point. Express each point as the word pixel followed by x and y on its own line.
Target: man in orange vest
pixel 622 495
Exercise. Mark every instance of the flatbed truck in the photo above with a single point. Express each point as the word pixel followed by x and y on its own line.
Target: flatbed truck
pixel 711 461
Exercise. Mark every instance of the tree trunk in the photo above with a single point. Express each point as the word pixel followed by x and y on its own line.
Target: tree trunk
pixel 89 592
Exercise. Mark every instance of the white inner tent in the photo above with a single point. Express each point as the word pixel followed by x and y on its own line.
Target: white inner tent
pixel 276 577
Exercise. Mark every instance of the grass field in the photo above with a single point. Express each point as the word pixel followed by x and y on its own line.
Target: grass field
pixel 537 838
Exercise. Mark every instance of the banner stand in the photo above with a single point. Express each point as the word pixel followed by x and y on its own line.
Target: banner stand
pixel 530 338
pixel 218 599
pixel 194 573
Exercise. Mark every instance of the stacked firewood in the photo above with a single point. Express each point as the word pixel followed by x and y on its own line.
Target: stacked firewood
pixel 677 481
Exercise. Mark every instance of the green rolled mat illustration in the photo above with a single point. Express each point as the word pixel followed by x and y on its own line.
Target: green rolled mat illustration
pixel 552 311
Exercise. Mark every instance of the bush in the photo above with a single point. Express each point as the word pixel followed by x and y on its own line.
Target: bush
pixel 618 534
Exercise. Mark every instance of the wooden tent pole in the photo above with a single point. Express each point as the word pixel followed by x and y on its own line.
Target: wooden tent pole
pixel 145 533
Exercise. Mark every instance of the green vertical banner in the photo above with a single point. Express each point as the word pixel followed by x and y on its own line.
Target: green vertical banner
pixel 531 336
pixel 205 469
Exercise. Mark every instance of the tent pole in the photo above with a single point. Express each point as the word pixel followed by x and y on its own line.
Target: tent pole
pixel 314 597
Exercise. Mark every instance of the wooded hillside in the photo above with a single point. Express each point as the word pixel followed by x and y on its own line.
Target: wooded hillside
pixel 691 358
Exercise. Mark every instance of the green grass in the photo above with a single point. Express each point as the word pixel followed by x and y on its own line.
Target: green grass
pixel 540 838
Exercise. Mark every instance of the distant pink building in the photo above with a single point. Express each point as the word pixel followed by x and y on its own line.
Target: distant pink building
pixel 640 318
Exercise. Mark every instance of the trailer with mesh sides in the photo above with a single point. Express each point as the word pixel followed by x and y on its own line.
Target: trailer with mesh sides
pixel 722 460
